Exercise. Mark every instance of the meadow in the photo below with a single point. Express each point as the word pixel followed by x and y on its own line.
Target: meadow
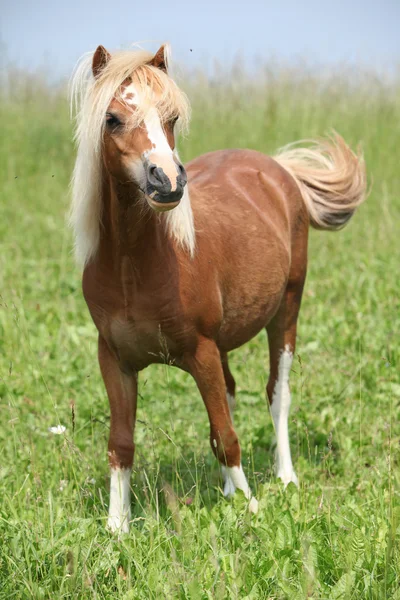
pixel 337 535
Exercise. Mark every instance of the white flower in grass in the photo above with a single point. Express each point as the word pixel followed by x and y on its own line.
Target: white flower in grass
pixel 63 484
pixel 58 429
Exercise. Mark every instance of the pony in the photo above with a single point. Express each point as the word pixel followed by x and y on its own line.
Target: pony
pixel 184 264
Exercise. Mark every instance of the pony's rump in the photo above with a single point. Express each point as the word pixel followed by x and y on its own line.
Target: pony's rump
pixel 331 178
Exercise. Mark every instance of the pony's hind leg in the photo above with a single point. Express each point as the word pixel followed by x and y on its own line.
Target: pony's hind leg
pixel 282 343
pixel 122 394
pixel 229 384
pixel 229 487
pixel 206 368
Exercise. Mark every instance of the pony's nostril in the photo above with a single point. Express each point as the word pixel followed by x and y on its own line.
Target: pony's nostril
pixel 182 177
pixel 157 175
pixel 158 180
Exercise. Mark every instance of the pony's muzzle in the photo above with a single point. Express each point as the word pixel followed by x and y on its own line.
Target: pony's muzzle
pixel 159 192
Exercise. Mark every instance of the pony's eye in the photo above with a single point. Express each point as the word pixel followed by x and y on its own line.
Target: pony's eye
pixel 112 121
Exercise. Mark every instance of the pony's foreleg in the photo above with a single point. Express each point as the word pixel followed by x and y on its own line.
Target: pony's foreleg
pixel 206 368
pixel 122 394
pixel 282 343
pixel 229 488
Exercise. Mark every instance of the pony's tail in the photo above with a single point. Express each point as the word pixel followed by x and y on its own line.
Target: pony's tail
pixel 331 178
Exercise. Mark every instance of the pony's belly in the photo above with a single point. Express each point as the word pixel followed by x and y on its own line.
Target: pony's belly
pixel 241 324
pixel 252 297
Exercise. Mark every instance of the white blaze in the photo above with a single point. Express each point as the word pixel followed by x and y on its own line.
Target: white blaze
pixel 120 505
pixel 161 154
pixel 130 95
pixel 280 413
pixel 180 220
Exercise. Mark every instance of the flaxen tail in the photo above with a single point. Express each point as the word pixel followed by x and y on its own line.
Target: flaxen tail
pixel 331 178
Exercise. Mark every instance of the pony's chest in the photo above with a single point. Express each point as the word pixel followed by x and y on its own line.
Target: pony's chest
pixel 136 338
pixel 142 339
pixel 143 324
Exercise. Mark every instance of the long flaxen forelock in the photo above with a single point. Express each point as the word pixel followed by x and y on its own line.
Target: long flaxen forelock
pixel 90 99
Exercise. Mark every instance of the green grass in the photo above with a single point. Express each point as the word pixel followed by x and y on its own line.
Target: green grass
pixel 335 537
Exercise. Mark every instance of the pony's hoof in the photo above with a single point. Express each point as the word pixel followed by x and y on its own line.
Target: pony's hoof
pixel 229 488
pixel 253 506
pixel 288 477
pixel 116 525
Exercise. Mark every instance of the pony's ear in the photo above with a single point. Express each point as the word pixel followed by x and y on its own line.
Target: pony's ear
pixel 160 60
pixel 100 59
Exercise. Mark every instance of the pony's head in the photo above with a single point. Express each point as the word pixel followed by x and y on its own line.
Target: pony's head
pixel 138 127
pixel 128 109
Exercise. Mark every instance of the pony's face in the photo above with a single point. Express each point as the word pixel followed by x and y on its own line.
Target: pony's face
pixel 143 150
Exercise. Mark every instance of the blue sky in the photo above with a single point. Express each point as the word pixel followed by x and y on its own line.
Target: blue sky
pixel 54 33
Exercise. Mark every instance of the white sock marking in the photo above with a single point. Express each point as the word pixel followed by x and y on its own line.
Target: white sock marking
pixel 120 505
pixel 280 413
pixel 236 479
pixel 229 486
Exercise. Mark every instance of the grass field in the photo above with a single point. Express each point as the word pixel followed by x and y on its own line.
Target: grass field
pixel 335 537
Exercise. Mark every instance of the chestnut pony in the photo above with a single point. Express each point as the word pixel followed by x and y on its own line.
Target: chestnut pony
pixel 182 265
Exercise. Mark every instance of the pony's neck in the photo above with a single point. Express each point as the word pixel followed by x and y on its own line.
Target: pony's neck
pixel 129 227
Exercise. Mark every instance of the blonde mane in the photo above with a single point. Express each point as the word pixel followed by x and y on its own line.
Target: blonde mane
pixel 90 99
